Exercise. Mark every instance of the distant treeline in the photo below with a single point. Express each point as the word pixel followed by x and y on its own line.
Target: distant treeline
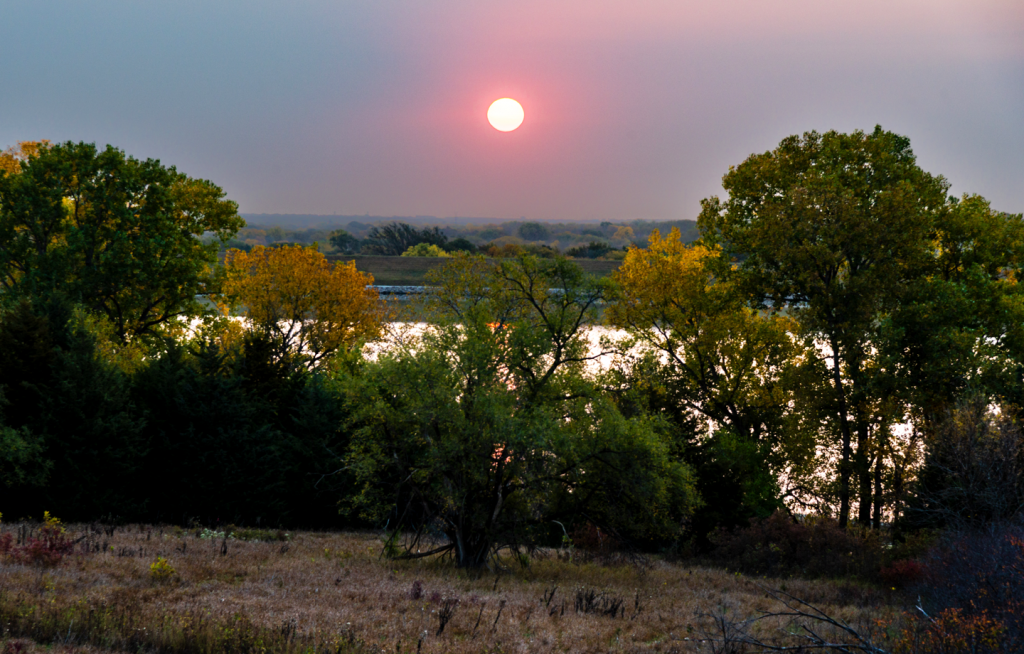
pixel 606 240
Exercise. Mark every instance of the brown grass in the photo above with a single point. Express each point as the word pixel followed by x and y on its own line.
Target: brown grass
pixel 333 592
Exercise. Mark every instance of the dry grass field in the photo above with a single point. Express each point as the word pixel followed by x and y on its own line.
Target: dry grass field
pixel 411 271
pixel 332 592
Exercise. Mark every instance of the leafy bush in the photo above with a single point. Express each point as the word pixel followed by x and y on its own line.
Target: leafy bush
pixel 161 569
pixel 976 578
pixel 49 549
pixel 902 573
pixel 592 540
pixel 812 547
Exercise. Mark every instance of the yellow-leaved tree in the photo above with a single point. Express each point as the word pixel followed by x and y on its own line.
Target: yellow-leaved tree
pixel 11 158
pixel 311 308
pixel 725 370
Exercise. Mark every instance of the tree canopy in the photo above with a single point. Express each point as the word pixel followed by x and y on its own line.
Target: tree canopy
pixel 843 231
pixel 118 235
pixel 486 429
pixel 310 307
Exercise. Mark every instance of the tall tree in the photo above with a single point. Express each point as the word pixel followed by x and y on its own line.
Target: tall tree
pixel 118 235
pixel 723 363
pixel 487 429
pixel 395 238
pixel 831 227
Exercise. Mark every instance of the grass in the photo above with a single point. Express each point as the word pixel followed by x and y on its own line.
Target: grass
pixel 411 271
pixel 320 592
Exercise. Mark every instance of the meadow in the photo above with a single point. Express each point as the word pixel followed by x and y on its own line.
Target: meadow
pixel 167 589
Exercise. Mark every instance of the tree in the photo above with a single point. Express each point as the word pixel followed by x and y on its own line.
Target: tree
pixel 69 418
pixel 533 232
pixel 592 250
pixel 831 227
pixel 973 475
pixel 312 308
pixel 425 250
pixel 959 327
pixel 118 235
pixel 344 241
pixel 11 158
pixel 395 238
pixel 460 244
pixel 486 429
pixel 729 369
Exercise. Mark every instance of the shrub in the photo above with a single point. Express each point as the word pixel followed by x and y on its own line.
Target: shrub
pixel 161 569
pixel 813 547
pixel 49 549
pixel 900 574
pixel 976 577
pixel 591 540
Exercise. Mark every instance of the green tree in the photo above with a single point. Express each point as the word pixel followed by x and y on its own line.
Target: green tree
pixel 118 235
pixel 728 371
pixel 831 227
pixel 959 328
pixel 344 242
pixel 395 238
pixel 487 428
pixel 71 410
pixel 533 232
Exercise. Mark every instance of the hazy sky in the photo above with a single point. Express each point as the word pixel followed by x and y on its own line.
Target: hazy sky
pixel 634 108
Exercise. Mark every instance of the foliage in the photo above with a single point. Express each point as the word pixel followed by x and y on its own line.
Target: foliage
pixel 814 547
pixel 533 231
pixel 118 235
pixel 425 250
pixel 592 250
pixel 724 368
pixel 11 158
pixel 237 436
pixel 830 227
pixel 49 548
pixel 395 238
pixel 974 472
pixel 971 592
pixel 343 241
pixel 72 406
pixel 307 307
pixel 161 569
pixel 486 428
pixel 460 244
pixel 957 330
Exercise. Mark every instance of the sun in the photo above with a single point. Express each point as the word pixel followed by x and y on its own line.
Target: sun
pixel 505 114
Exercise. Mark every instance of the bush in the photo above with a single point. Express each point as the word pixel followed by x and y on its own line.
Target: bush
pixel 903 573
pixel 977 577
pixel 49 549
pixel 161 569
pixel 591 541
pixel 813 547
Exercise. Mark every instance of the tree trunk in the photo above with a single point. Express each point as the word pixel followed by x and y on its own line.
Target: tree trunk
pixel 877 516
pixel 844 432
pixel 862 462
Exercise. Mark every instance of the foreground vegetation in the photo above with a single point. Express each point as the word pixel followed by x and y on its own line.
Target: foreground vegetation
pixel 233 591
pixel 165 589
pixel 828 383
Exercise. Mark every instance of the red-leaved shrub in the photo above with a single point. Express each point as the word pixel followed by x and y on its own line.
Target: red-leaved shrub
pixel 900 574
pixel 46 550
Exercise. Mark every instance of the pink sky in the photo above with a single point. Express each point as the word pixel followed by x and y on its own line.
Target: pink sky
pixel 633 109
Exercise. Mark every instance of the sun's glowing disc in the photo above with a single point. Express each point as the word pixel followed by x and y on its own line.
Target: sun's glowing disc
pixel 505 114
